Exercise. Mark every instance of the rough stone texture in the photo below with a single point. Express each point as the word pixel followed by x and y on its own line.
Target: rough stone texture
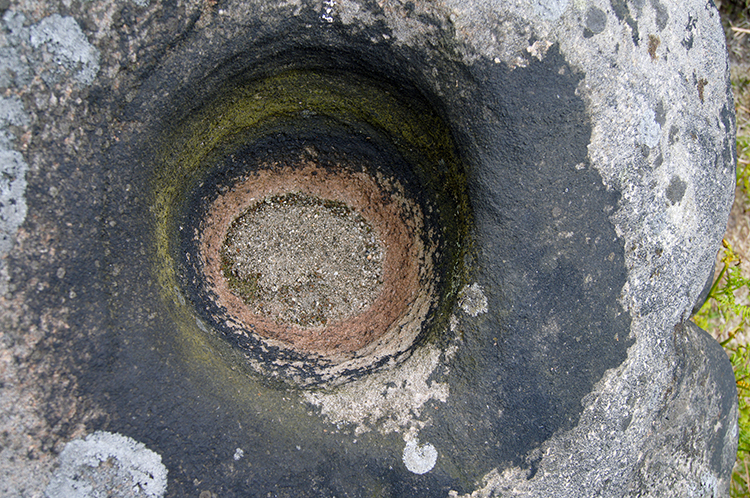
pixel 598 139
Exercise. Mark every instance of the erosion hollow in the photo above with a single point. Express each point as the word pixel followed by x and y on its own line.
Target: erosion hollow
pixel 313 217
pixel 364 248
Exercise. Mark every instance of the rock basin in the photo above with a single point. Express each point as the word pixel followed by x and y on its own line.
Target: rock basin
pixel 563 172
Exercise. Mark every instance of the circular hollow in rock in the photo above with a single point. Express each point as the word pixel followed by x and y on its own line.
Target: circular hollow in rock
pixel 395 306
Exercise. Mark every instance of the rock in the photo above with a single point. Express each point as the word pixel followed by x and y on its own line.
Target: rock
pixel 562 173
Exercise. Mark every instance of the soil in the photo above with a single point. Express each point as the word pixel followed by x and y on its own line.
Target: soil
pixel 303 260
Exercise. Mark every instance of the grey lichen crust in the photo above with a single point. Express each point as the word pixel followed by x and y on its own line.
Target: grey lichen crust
pixel 13 169
pixel 106 464
pixel 390 401
pixel 24 55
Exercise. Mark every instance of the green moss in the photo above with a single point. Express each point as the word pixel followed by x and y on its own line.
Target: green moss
pixel 246 286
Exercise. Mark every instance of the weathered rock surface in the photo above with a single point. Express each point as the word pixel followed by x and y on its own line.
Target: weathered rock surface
pixel 596 147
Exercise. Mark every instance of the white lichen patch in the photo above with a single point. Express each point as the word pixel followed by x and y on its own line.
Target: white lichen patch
pixel 328 10
pixel 472 300
pixel 63 38
pixel 12 173
pixel 649 131
pixel 550 10
pixel 107 464
pixel 390 400
pixel 419 459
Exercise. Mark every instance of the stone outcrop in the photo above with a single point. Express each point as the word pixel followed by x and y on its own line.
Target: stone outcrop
pixel 572 164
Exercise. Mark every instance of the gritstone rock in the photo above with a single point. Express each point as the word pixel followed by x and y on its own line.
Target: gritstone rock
pixel 554 175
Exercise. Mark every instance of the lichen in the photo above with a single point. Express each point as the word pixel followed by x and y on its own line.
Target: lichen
pixel 107 463
pixel 472 300
pixel 419 459
pixel 63 38
pixel 389 401
pixel 13 170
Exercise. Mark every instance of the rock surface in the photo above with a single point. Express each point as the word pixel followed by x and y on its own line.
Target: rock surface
pixel 596 142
